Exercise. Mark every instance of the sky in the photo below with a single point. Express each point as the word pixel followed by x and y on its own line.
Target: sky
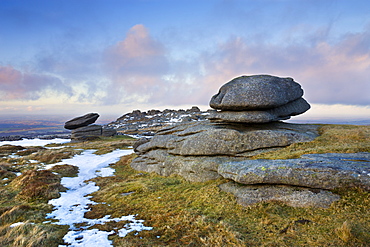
pixel 71 57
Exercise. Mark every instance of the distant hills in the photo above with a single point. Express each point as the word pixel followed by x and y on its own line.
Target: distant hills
pixel 132 123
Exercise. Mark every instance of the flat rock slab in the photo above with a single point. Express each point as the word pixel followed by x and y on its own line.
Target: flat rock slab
pixel 324 171
pixel 93 130
pixel 192 168
pixel 256 92
pixel 207 138
pixel 81 121
pixel 292 196
pixel 195 150
pixel 283 112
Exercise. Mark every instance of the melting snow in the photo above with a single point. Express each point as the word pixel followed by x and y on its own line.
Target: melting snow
pixel 18 224
pixel 35 142
pixel 69 209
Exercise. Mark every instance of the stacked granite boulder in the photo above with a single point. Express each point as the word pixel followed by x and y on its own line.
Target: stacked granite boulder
pixel 83 128
pixel 247 122
pixel 258 99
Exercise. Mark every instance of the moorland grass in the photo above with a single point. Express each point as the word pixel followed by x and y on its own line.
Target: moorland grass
pixel 24 198
pixel 332 139
pixel 193 214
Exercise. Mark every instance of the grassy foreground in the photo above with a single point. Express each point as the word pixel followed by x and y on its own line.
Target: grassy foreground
pixel 190 214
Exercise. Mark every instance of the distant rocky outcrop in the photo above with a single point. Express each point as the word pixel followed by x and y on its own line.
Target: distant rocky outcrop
pixel 138 123
pixel 246 123
pixel 83 128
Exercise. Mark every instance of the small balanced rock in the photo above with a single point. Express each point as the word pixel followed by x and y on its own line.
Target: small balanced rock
pixel 83 128
pixel 81 121
pixel 258 99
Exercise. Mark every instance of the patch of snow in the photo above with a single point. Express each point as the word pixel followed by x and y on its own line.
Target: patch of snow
pixel 175 120
pixel 136 225
pixel 140 136
pixel 18 224
pixel 92 237
pixel 55 147
pixel 35 142
pixel 105 172
pixel 70 207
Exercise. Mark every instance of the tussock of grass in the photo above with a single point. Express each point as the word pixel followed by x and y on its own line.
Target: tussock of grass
pixel 37 185
pixel 14 214
pixel 332 139
pixel 29 151
pixel 65 170
pixel 50 156
pixel 30 235
pixel 8 149
pixel 6 172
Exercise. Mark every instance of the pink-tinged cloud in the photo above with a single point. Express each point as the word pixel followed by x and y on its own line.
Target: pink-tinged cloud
pixel 329 73
pixel 18 85
pixel 135 66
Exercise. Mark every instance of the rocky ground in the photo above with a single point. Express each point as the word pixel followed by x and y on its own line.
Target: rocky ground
pixel 140 124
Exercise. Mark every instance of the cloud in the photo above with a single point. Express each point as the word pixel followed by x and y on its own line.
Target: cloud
pixel 18 85
pixel 136 66
pixel 140 69
pixel 330 73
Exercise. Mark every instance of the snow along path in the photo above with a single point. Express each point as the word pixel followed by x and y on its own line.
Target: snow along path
pixel 70 207
pixel 35 142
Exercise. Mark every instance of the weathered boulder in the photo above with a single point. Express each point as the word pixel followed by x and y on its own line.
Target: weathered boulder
pixel 195 150
pixel 139 142
pixel 283 112
pixel 108 132
pixel 81 121
pixel 256 92
pixel 292 196
pixel 87 132
pixel 207 138
pixel 192 168
pixel 323 171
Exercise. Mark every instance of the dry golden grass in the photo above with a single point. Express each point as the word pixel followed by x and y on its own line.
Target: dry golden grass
pixel 193 214
pixel 37 185
pixel 50 156
pixel 8 149
pixel 332 139
pixel 30 235
pixel 106 144
pixel 65 170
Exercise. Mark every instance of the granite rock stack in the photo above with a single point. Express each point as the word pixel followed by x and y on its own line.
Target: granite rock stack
pixel 246 122
pixel 258 99
pixel 83 128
